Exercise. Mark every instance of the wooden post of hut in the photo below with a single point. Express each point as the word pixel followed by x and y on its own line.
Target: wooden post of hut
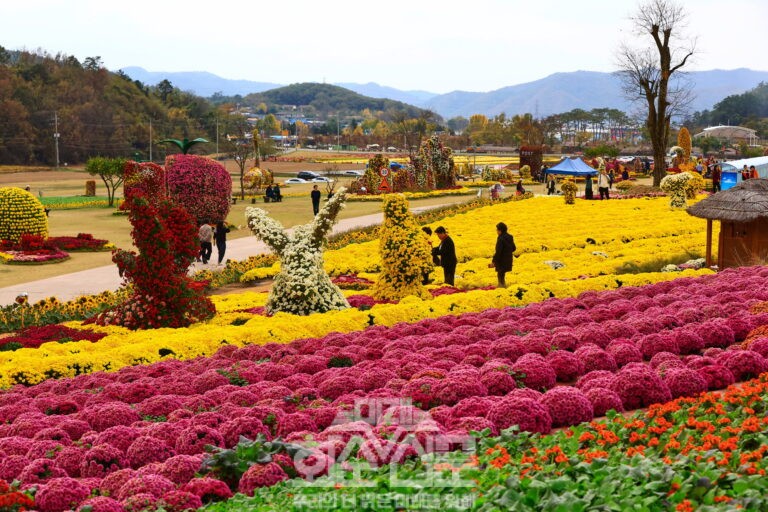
pixel 743 214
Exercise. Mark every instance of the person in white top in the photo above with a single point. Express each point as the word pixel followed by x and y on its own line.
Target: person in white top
pixel 603 184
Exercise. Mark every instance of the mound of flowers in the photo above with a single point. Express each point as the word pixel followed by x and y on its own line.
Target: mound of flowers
pixel 31 249
pixel 202 185
pixel 144 429
pixel 33 337
pixel 21 213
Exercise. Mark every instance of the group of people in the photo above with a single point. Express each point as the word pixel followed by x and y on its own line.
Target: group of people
pixel 272 194
pixel 444 255
pixel 749 174
pixel 210 235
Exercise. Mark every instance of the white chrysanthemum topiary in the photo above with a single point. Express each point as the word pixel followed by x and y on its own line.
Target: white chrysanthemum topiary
pixel 302 287
pixel 21 213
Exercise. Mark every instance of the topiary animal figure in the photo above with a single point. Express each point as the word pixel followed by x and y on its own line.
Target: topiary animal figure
pixel 302 287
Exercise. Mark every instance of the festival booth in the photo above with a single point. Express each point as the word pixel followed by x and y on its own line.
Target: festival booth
pixel 731 170
pixel 573 166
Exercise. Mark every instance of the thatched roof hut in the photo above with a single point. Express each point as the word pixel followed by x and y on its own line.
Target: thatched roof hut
pixel 745 202
pixel 743 215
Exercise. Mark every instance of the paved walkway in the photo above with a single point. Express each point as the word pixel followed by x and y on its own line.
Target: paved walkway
pixel 99 279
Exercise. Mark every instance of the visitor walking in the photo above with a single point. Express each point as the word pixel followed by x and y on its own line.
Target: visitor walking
pixel 716 174
pixel 603 184
pixel 551 184
pixel 220 238
pixel 269 194
pixel 315 199
pixel 205 235
pixel 447 253
pixel 428 240
pixel 503 256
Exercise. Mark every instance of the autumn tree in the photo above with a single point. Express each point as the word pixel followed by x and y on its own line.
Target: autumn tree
pixel 646 72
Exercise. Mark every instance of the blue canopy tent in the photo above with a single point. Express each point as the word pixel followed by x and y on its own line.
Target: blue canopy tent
pixel 572 166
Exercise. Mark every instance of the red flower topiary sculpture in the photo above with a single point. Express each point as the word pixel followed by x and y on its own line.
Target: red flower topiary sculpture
pixel 163 295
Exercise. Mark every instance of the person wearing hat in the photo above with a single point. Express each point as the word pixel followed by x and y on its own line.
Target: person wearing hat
pixel 505 249
pixel 447 253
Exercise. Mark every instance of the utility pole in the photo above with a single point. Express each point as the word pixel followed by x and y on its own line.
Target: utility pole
pixel 150 139
pixel 217 135
pixel 56 136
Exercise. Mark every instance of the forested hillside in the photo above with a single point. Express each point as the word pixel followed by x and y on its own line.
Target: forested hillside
pixel 749 109
pixel 96 112
pixel 323 99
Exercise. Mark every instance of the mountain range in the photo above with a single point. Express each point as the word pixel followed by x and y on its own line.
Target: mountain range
pixel 558 92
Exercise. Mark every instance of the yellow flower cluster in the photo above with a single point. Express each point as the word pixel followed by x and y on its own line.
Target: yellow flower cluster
pixel 405 253
pixel 416 195
pixel 20 213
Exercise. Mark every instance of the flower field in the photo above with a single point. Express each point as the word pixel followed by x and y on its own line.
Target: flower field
pixel 497 393
pixel 591 238
pixel 561 362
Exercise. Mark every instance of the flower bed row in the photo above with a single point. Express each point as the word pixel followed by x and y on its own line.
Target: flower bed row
pixel 143 430
pixel 122 347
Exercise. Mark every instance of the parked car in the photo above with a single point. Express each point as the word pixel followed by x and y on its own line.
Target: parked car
pixel 353 173
pixel 321 179
pixel 295 181
pixel 307 175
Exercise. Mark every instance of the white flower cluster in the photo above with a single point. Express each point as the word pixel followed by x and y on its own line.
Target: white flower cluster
pixel 554 264
pixel 302 287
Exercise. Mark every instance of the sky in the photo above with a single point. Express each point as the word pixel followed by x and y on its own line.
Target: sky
pixel 437 46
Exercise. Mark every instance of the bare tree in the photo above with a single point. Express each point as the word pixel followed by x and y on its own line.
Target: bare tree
pixel 646 72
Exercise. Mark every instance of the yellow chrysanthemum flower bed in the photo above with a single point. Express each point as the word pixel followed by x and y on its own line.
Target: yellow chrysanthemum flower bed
pixel 463 191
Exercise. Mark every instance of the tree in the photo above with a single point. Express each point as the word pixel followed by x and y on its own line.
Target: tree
pixel 646 72
pixel 93 63
pixel 165 90
pixel 111 172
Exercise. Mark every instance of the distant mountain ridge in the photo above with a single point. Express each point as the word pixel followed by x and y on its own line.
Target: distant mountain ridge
pixel 558 92
pixel 561 92
pixel 201 83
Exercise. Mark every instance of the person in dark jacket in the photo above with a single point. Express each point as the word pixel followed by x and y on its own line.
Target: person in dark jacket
pixel 505 249
pixel 220 238
pixel 315 194
pixel 447 252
